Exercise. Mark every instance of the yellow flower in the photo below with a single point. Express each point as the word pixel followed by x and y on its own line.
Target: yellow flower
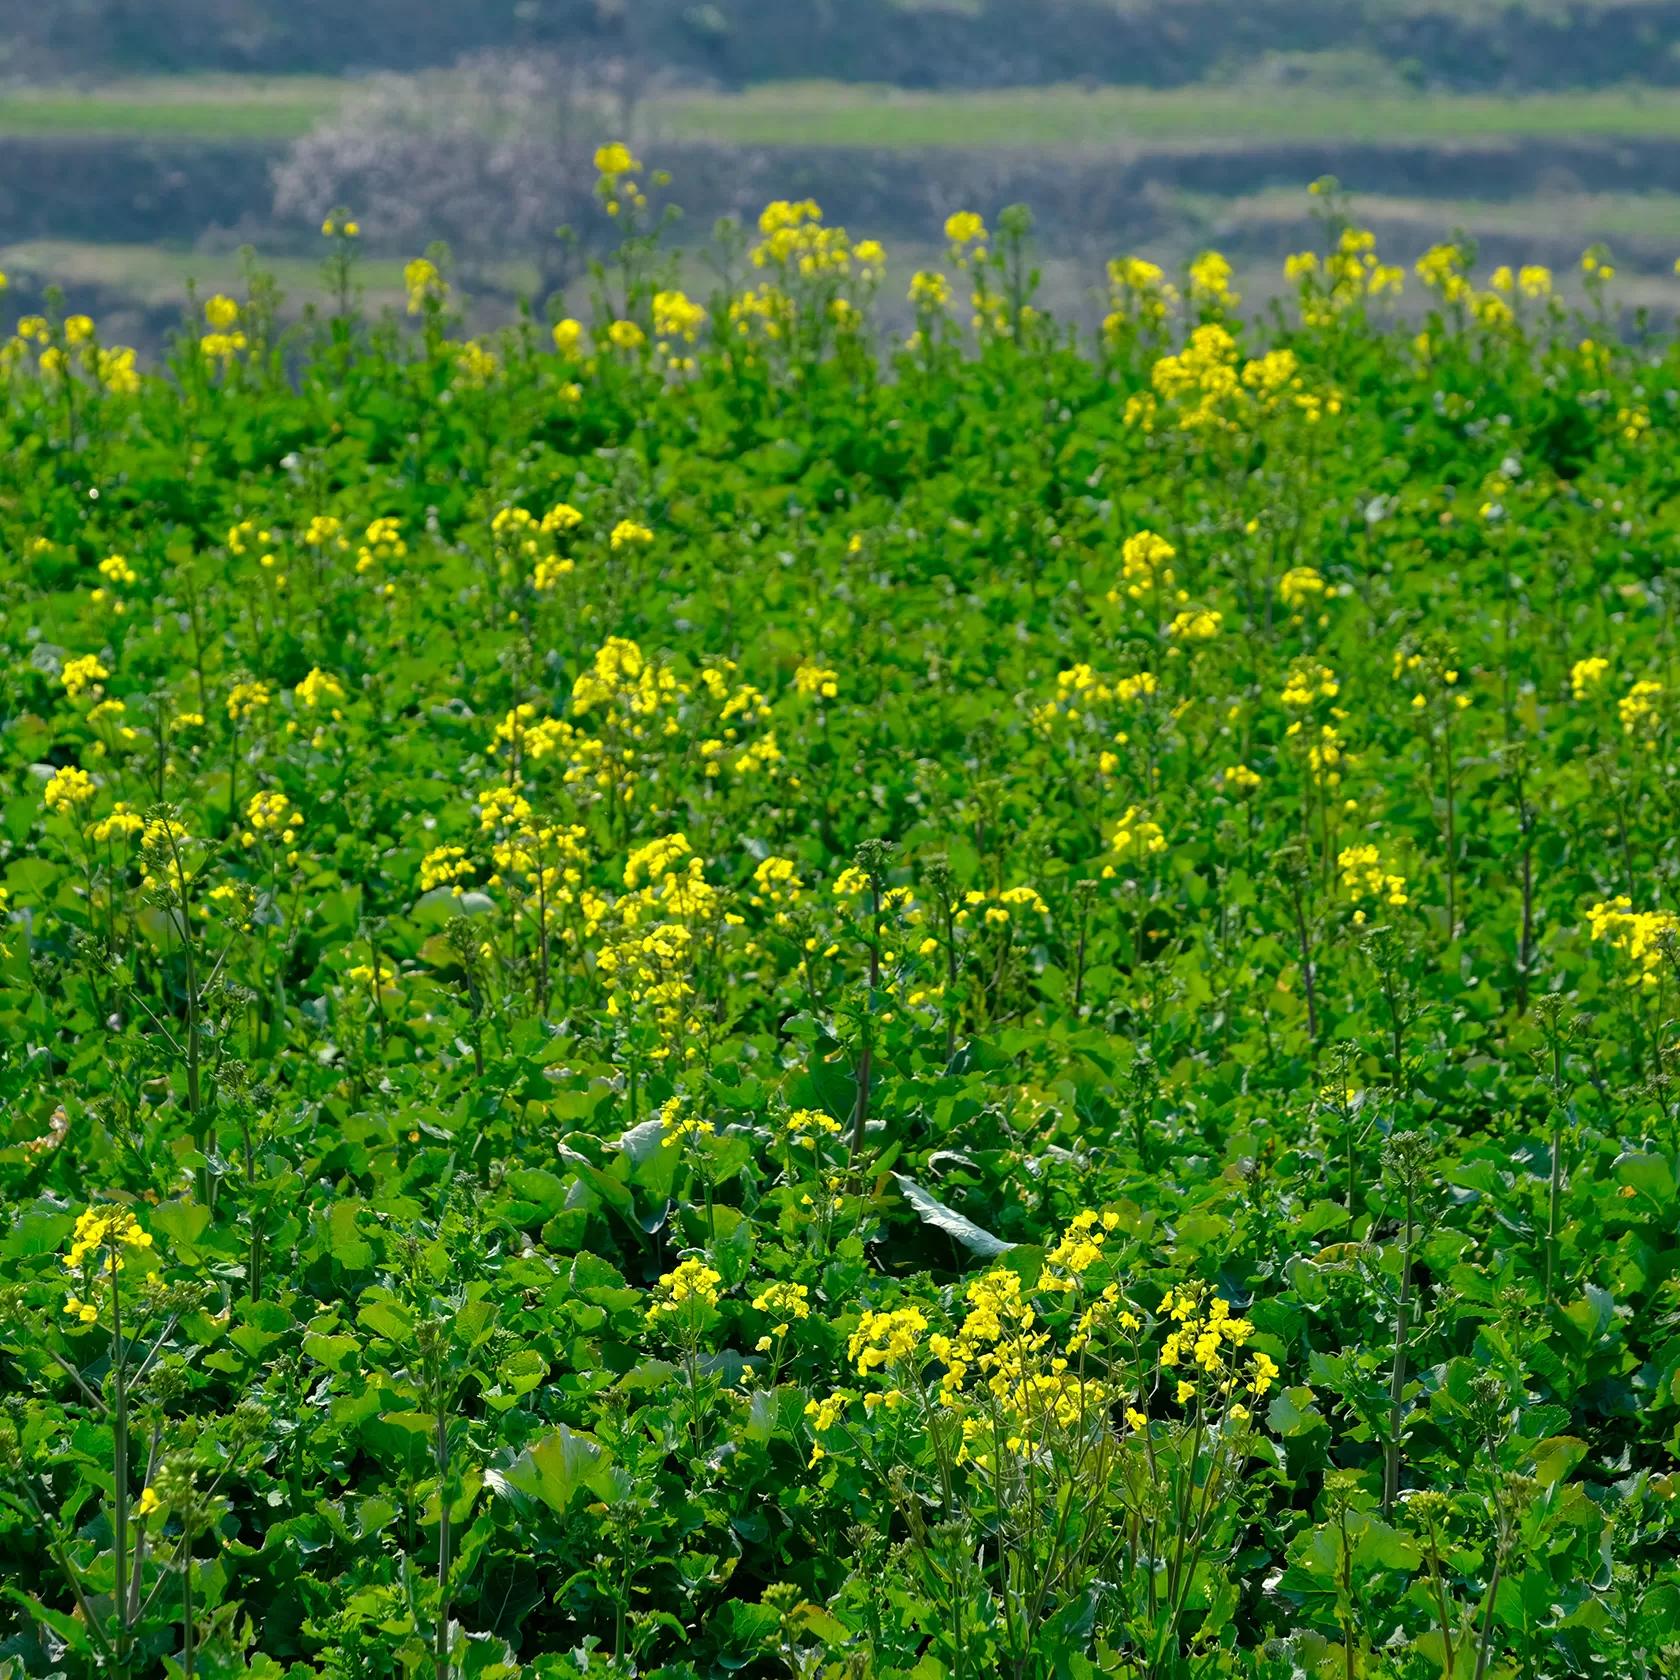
pixel 476 365
pixel 824 1415
pixel 116 371
pixel 614 160
pixel 692 1288
pixel 319 685
pixel 1210 279
pixel 786 1300
pixel 568 336
pixel 814 680
pixel 929 291
pixel 67 789
pixel 1137 836
pixel 122 823
pixel 1196 624
pixel 1585 675
pixel 1299 586
pixel 221 312
pixel 245 698
pixel 626 335
pixel 95 1230
pixel 674 316
pixel 882 1338
pixel 271 812
pixel 1640 934
pixel 444 866
pixel 221 347
pixel 1144 566
pixel 1262 1373
pixel 80 674
pixel 424 284
pixel 628 534
pixel 146 1504
pixel 1637 708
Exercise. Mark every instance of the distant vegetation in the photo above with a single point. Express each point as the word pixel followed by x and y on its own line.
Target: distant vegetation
pixel 1485 44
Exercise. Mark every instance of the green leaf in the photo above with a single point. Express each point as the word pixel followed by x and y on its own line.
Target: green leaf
pixel 1556 1457
pixel 388 1319
pixel 335 1352
pixel 182 1222
pixel 934 1212
pixel 556 1470
pixel 37 1231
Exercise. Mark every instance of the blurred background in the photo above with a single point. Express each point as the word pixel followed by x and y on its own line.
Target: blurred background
pixel 144 142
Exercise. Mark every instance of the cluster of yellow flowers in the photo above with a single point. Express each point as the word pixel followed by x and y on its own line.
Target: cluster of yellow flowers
pixel 676 317
pixel 382 543
pixel 687 1293
pixel 1202 378
pixel 796 242
pixel 805 1128
pixel 246 698
pixel 1145 566
pixel 1210 282
pixel 113 368
pixel 648 961
pixel 445 866
pixel 681 1129
pixel 816 681
pixel 1638 708
pixel 1308 680
pixel 1135 837
pixel 1532 280
pixel 886 1338
pixel 82 674
pixel 1079 1249
pixel 121 824
pixel 1363 875
pixel 101 1235
pixel 1139 295
pixel 930 291
pixel 224 341
pixel 67 790
pixel 115 569
pixel 271 813
pixel 1300 586
pixel 788 1303
pixel 425 285
pixel 1643 936
pixel 1351 274
pixel 1206 1338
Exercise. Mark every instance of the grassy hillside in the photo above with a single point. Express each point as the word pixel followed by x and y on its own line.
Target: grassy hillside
pixel 832 114
pixel 828 113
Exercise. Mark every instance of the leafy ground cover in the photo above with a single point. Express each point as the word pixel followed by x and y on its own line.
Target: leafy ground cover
pixel 690 997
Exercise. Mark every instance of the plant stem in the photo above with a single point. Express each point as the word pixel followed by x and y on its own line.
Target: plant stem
pixel 1397 1376
pixel 441 1643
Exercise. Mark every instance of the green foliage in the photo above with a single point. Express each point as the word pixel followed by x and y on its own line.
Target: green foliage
pixel 681 998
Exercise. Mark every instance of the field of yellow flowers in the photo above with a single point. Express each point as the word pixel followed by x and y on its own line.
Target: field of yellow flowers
pixel 686 997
